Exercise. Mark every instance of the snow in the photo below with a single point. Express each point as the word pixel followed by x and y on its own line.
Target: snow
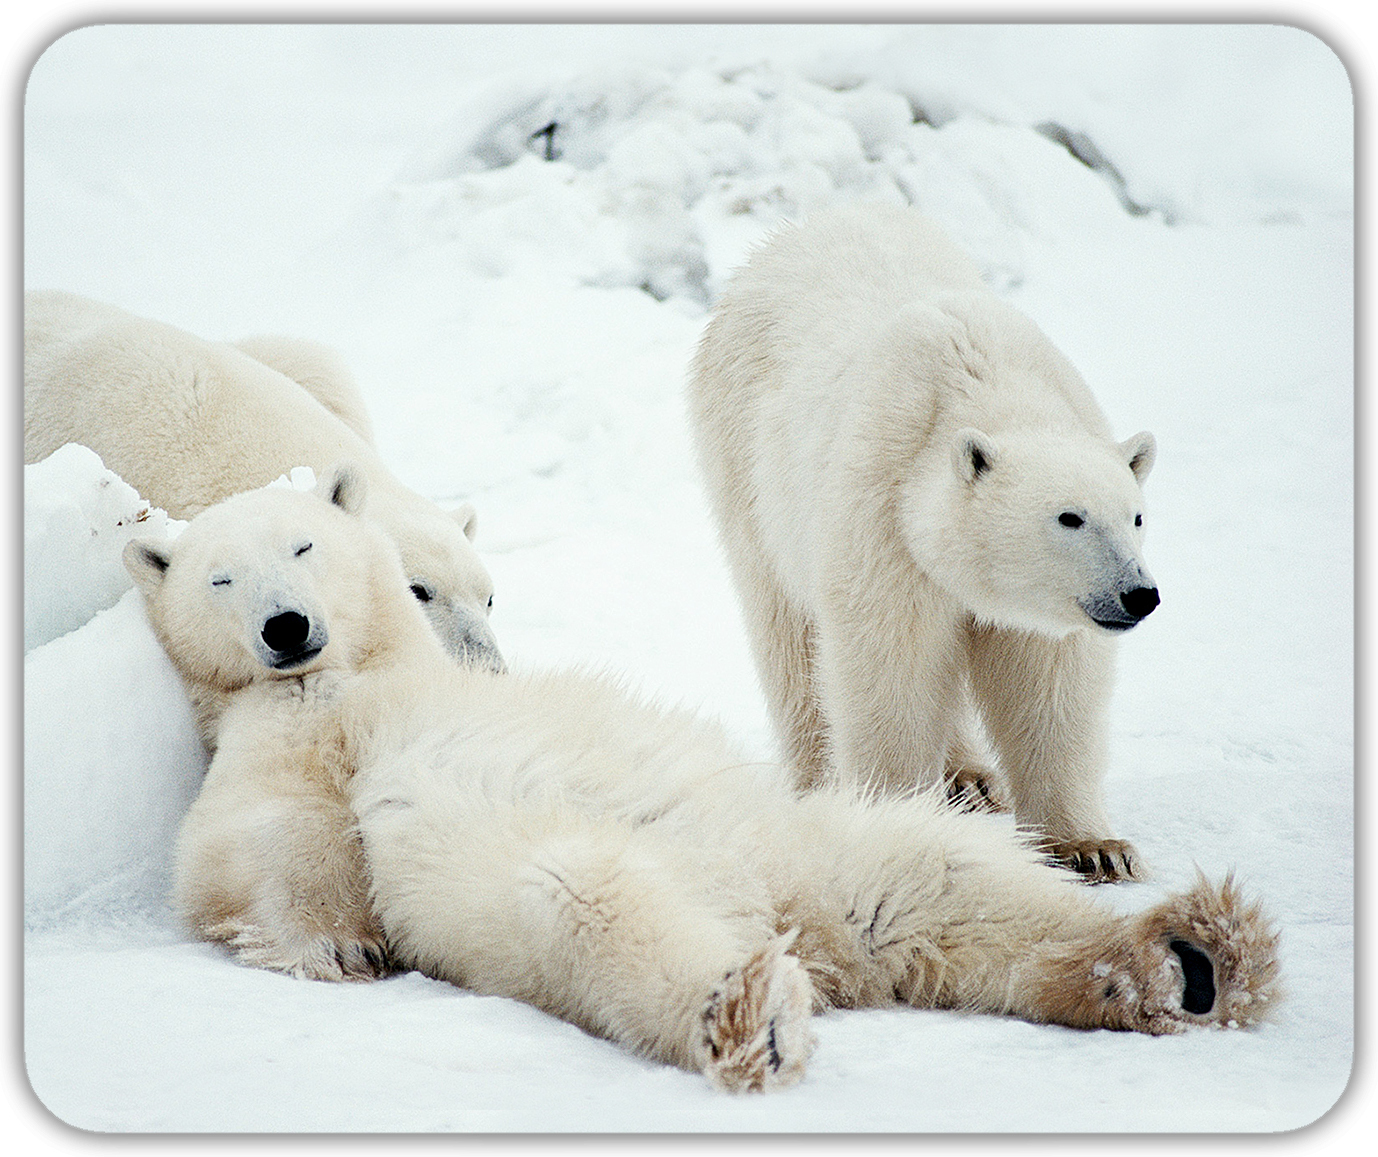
pixel 77 518
pixel 521 326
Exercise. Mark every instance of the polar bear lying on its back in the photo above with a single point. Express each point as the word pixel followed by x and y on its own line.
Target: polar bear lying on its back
pixel 188 422
pixel 546 838
pixel 923 509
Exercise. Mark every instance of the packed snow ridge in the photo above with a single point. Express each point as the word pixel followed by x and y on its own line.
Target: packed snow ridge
pixel 655 164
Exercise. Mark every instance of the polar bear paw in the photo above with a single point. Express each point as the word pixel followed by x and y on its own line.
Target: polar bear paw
pixel 336 955
pixel 1104 861
pixel 973 789
pixel 757 1024
pixel 1202 958
pixel 1217 960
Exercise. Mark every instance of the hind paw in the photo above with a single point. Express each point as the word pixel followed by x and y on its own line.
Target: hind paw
pixel 1219 961
pixel 756 1026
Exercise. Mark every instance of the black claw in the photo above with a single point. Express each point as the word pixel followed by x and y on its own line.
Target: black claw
pixel 1107 864
pixel 774 1052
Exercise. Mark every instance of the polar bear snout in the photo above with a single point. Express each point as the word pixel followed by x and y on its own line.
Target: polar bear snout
pixel 290 639
pixel 1118 610
pixel 286 632
pixel 1139 602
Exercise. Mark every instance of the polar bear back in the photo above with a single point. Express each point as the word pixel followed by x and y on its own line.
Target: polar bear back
pixel 191 421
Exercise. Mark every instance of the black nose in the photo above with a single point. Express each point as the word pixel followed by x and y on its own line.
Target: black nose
pixel 286 632
pixel 1140 601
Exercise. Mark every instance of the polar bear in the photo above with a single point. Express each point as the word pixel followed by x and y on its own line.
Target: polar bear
pixel 548 838
pixel 924 512
pixel 188 422
pixel 319 370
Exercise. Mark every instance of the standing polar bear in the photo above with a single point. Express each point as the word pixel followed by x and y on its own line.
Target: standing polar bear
pixel 188 422
pixel 546 838
pixel 924 511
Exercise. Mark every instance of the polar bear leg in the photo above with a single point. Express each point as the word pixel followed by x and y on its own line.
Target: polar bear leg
pixel 1044 703
pixel 1204 957
pixel 272 865
pixel 891 686
pixel 593 920
pixel 969 775
pixel 783 644
pixel 906 900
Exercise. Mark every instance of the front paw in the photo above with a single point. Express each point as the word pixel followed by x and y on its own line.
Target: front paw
pixel 1102 861
pixel 973 789
pixel 337 954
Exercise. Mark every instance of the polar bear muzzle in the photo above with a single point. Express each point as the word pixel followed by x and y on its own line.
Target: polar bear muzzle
pixel 1140 601
pixel 1122 610
pixel 290 639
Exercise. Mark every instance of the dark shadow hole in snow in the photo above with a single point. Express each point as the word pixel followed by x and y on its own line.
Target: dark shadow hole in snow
pixel 918 114
pixel 1085 150
pixel 548 152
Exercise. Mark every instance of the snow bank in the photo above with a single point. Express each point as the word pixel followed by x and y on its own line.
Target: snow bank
pixel 77 518
pixel 111 763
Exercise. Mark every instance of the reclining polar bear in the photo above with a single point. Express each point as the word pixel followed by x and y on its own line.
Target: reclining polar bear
pixel 546 838
pixel 188 422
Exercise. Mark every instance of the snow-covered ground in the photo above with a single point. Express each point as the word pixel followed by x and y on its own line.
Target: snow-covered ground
pixel 1172 204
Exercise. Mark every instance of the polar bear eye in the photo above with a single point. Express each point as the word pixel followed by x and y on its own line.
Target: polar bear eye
pixel 1138 520
pixel 220 581
pixel 422 592
pixel 301 550
pixel 1067 518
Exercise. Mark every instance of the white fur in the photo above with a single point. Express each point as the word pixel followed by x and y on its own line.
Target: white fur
pixel 549 838
pixel 319 370
pixel 889 449
pixel 189 422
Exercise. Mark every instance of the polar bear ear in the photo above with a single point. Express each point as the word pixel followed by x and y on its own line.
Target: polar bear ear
pixel 467 517
pixel 146 560
pixel 973 454
pixel 1140 452
pixel 344 486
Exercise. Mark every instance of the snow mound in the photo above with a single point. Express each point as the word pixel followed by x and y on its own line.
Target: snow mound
pixel 78 516
pixel 636 176
pixel 112 761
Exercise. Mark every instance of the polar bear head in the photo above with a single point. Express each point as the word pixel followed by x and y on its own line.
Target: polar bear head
pixel 445 575
pixel 1037 530
pixel 276 583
